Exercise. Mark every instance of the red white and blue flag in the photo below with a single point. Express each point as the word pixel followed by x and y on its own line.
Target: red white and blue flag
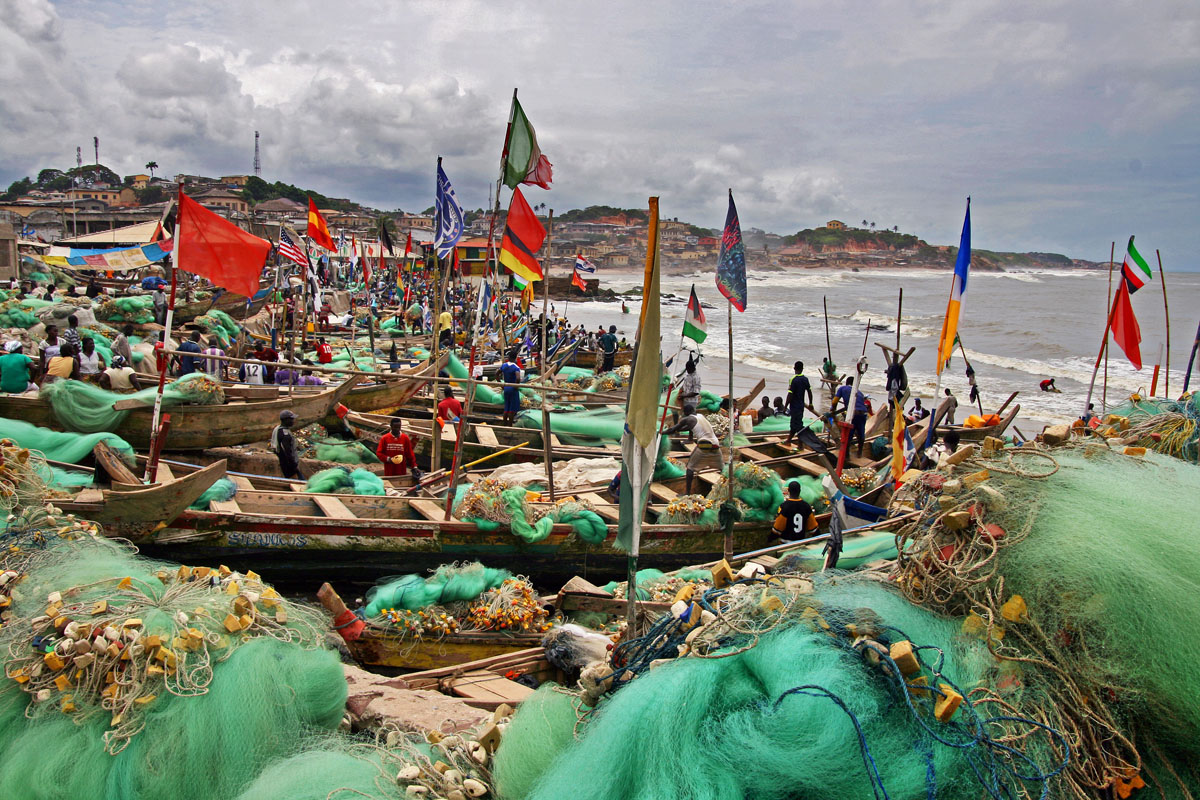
pixel 288 249
pixel 583 265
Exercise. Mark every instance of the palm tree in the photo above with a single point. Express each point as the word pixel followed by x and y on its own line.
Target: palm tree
pixel 151 165
pixel 872 226
pixel 864 223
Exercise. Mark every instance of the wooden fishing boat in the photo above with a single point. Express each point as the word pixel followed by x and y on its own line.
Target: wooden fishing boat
pixel 194 427
pixel 966 434
pixel 133 510
pixel 232 304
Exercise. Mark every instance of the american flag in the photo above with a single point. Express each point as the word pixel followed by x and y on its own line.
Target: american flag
pixel 288 249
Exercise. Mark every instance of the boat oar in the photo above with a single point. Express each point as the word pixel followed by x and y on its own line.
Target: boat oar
pixel 441 473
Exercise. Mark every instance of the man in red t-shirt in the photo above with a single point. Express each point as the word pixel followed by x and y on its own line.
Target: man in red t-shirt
pixel 396 452
pixel 449 410
pixel 324 352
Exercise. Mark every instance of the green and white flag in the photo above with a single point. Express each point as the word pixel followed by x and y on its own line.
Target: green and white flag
pixel 694 325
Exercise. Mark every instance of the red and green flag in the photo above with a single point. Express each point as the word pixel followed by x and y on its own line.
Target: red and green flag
pixel 1134 270
pixel 1125 331
pixel 695 326
pixel 524 162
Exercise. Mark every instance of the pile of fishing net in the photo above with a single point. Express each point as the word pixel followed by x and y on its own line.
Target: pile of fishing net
pixel 82 407
pixel 126 677
pixel 18 314
pixel 62 446
pixel 138 309
pixel 222 489
pixel 757 491
pixel 779 688
pixel 456 597
pixel 655 585
pixel 1077 566
pixel 492 503
pixel 1165 426
pixel 597 427
pixel 337 480
pixel 339 451
pixel 146 679
pixel 216 322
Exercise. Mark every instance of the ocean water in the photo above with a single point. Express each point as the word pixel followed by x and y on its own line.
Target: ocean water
pixel 1017 328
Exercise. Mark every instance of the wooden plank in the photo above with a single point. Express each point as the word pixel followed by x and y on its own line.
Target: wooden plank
pixel 297 487
pixel 485 686
pixel 242 482
pixel 486 436
pixel 663 493
pixel 807 466
pixel 574 601
pixel 414 679
pixel 753 455
pixel 164 473
pixel 110 462
pixel 429 509
pixel 225 506
pixel 89 496
pixel 333 507
pixel 604 508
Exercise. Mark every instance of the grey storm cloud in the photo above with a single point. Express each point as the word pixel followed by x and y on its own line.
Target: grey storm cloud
pixel 892 111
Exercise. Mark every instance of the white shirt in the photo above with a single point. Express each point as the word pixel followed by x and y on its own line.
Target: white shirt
pixel 254 373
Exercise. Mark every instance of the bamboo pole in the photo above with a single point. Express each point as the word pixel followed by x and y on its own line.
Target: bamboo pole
pixel 1167 316
pixel 1104 390
pixel 546 449
pixel 435 457
pixel 1107 327
pixel 728 545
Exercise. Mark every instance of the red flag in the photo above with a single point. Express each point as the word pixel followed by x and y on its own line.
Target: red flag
pixel 1125 330
pixel 215 248
pixel 366 264
pixel 382 263
pixel 318 231
pixel 578 281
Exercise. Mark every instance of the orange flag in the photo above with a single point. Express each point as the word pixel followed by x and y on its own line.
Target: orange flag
pixel 215 248
pixel 318 231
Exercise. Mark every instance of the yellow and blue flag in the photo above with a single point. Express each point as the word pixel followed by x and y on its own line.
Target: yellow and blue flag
pixel 958 291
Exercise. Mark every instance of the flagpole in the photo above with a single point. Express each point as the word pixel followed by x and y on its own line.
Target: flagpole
pixel 1167 315
pixel 435 456
pixel 1104 390
pixel 732 417
pixel 546 451
pixel 633 466
pixel 1187 378
pixel 152 461
pixel 1107 327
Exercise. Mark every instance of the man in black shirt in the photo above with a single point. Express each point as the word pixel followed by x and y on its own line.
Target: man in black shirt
pixel 799 394
pixel 794 519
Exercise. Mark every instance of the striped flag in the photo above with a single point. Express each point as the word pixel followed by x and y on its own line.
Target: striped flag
pixel 583 265
pixel 288 249
pixel 447 215
pixel 694 324
pixel 1134 269
pixel 958 291
pixel 1124 325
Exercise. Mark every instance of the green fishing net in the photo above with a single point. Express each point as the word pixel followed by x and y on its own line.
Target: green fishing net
pixel 799 714
pixel 214 713
pixel 82 407
pixel 1084 562
pixel 493 503
pixel 138 309
pixel 1166 426
pixel 448 584
pixel 222 489
pixel 63 446
pixel 337 480
pixel 342 451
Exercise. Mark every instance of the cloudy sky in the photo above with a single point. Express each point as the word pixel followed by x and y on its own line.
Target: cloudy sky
pixel 1070 123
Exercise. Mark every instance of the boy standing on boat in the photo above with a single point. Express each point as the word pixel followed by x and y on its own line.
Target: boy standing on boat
pixel 689 384
pixel 283 444
pixel 510 375
pixel 707 452
pixel 608 346
pixel 396 452
pixel 794 519
pixel 799 392
pixel 858 420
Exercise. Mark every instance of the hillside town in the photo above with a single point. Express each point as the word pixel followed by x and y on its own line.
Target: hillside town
pixel 92 208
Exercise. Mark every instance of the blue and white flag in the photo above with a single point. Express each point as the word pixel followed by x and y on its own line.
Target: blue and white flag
pixel 341 240
pixel 583 265
pixel 447 216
